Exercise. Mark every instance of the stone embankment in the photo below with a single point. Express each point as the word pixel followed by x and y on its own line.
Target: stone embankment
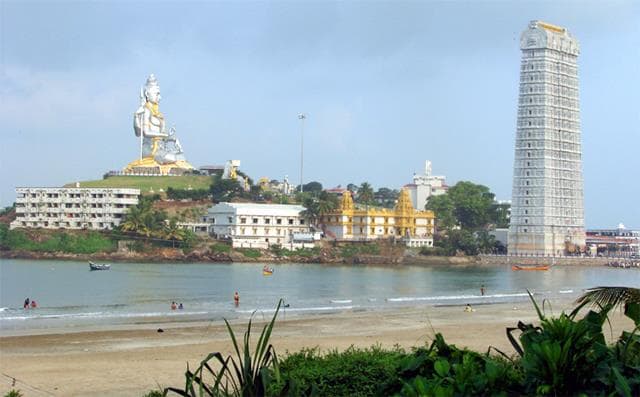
pixel 544 260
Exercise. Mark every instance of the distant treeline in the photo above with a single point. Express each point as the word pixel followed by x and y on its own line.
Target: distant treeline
pixel 186 194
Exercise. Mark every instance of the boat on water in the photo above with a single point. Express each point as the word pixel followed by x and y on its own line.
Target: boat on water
pixel 530 267
pixel 94 266
pixel 267 271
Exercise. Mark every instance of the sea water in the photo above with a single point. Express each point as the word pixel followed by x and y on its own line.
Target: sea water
pixel 69 296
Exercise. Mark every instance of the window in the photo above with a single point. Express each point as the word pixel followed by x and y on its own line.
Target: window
pixel 291 221
pixel 526 201
pixel 267 221
pixel 302 221
pixel 230 219
pixel 279 221
pixel 243 220
pixel 254 220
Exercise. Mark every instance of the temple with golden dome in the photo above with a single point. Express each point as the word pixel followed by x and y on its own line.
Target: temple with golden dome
pixel 348 222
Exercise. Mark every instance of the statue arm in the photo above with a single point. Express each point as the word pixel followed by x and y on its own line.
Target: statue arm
pixel 146 126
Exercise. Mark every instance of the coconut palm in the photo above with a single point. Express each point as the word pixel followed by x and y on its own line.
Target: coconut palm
pixel 365 193
pixel 628 297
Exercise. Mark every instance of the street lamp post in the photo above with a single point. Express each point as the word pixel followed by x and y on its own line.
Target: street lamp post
pixel 301 117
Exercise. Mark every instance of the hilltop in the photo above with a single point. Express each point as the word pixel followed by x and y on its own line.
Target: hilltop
pixel 147 183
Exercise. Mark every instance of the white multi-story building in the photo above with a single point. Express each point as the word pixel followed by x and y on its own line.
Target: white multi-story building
pixel 424 186
pixel 547 202
pixel 72 208
pixel 258 225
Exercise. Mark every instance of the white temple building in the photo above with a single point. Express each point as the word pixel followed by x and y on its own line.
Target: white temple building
pixel 424 186
pixel 547 210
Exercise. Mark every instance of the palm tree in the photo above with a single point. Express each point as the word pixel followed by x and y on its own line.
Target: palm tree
pixel 133 221
pixel 327 202
pixel 614 296
pixel 606 297
pixel 365 193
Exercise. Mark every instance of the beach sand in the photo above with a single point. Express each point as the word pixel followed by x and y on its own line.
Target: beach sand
pixel 131 362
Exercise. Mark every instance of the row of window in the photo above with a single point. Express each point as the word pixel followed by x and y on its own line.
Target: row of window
pixel 548 100
pixel 97 225
pixel 267 221
pixel 567 68
pixel 267 231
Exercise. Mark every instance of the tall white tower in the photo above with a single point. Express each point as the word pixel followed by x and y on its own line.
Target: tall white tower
pixel 547 201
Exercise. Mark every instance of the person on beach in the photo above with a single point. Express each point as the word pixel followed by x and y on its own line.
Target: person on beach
pixel 26 303
pixel 236 298
pixel 482 290
pixel 468 308
pixel 180 307
pixel 173 306
pixel 33 304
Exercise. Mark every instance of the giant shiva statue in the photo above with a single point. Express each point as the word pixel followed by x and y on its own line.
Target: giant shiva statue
pixel 160 151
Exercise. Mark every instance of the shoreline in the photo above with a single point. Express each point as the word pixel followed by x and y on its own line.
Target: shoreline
pixel 139 358
pixel 357 260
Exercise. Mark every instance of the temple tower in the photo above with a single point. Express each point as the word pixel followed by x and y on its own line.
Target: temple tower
pixel 547 213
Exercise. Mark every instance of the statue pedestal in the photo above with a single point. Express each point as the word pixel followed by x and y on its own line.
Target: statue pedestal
pixel 148 166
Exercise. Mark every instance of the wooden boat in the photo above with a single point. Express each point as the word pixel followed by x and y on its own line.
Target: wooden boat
pixel 531 267
pixel 267 271
pixel 93 266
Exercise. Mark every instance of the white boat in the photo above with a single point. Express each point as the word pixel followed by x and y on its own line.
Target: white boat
pixel 93 266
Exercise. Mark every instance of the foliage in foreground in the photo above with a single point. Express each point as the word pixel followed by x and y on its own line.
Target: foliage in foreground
pixel 565 356
pixel 561 356
pixel 241 375
pixel 353 372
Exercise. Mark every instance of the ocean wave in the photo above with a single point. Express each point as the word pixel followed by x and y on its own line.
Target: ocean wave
pixel 300 309
pixel 453 297
pixel 99 315
pixel 341 301
pixel 565 291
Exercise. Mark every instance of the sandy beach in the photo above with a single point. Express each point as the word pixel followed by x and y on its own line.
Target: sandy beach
pixel 131 362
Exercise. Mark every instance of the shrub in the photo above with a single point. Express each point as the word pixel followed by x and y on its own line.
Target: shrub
pixel 220 248
pixel 353 372
pixel 75 243
pixel 250 252
pixel 434 251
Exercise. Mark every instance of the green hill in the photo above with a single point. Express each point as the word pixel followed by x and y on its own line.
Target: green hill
pixel 147 183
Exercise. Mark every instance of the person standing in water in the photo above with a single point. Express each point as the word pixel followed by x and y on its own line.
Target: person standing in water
pixel 482 290
pixel 26 303
pixel 236 298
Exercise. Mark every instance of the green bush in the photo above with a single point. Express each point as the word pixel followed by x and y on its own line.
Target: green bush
pixel 250 252
pixel 220 248
pixel 353 372
pixel 445 370
pixel 13 393
pixel 348 251
pixel 154 393
pixel 83 243
pixel 434 251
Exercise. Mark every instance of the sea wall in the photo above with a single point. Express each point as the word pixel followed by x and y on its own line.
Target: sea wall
pixel 544 260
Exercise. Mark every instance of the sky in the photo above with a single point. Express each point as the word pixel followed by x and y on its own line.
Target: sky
pixel 385 86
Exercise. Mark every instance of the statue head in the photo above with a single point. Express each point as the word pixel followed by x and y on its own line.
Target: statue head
pixel 152 90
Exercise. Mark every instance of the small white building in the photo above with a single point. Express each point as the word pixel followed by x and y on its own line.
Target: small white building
pixel 424 186
pixel 72 208
pixel 253 225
